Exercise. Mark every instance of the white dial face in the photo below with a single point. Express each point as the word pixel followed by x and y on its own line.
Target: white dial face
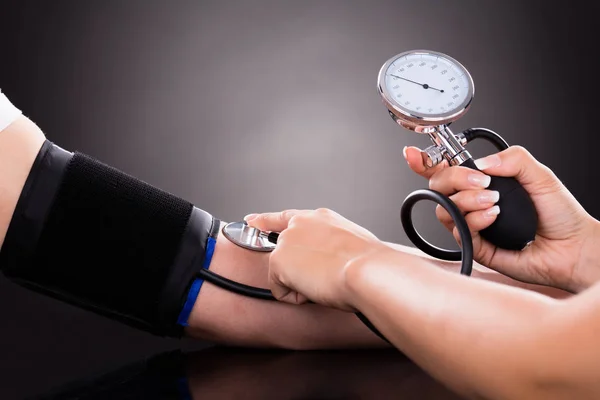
pixel 427 84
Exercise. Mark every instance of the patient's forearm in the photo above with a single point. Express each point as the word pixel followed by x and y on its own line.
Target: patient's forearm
pixel 223 316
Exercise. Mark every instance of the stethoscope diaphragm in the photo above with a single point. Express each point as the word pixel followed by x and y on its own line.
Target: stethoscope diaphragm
pixel 248 237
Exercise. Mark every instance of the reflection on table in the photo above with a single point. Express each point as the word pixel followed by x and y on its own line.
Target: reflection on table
pixel 232 373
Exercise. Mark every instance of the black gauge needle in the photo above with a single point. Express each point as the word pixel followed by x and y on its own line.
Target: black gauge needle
pixel 424 85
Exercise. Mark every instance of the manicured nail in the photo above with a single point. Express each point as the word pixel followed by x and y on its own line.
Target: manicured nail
pixel 250 217
pixel 488 162
pixel 492 212
pixel 480 180
pixel 405 156
pixel 488 196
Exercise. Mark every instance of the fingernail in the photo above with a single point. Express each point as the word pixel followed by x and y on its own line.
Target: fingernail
pixel 480 180
pixel 489 196
pixel 250 217
pixel 405 156
pixel 492 212
pixel 488 162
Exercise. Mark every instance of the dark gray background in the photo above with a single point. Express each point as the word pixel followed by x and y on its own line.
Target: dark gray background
pixel 250 106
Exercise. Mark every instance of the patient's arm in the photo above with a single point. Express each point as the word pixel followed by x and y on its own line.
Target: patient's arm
pixel 223 316
pixel 217 314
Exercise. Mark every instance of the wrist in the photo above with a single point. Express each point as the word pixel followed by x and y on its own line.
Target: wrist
pixel 359 270
pixel 587 270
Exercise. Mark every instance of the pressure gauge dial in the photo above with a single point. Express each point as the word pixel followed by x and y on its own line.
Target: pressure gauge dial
pixel 423 89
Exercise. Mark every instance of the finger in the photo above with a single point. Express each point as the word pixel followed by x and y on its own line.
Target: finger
pixel 448 225
pixel 281 287
pixel 468 201
pixel 283 293
pixel 479 220
pixel 517 162
pixel 272 222
pixel 413 157
pixel 506 262
pixel 455 179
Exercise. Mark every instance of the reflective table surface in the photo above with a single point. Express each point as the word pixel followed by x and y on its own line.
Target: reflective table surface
pixel 232 373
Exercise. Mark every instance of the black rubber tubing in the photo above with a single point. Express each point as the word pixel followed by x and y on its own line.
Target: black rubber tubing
pixel 513 229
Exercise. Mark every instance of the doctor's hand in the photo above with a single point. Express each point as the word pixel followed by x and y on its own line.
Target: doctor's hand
pixel 313 253
pixel 566 251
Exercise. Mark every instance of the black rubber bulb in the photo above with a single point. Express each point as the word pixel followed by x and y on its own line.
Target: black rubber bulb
pixel 515 226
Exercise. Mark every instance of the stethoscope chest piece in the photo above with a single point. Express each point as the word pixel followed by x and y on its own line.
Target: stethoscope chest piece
pixel 247 237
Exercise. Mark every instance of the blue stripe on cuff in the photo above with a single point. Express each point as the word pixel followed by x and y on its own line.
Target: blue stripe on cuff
pixel 197 284
pixel 210 250
pixel 189 302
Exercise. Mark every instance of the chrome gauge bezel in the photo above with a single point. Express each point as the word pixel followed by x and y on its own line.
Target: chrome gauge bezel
pixel 414 120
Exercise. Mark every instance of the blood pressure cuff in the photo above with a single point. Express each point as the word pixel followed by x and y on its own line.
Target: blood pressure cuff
pixel 95 237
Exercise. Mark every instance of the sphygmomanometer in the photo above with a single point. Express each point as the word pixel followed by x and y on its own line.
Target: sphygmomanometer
pixel 96 237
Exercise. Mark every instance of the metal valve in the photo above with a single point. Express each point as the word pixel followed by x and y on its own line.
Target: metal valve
pixel 447 146
pixel 462 139
pixel 433 155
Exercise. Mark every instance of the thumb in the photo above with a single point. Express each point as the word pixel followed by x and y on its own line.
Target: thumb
pixel 414 159
pixel 272 222
pixel 517 162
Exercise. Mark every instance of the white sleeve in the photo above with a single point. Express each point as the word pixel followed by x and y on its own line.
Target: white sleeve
pixel 8 112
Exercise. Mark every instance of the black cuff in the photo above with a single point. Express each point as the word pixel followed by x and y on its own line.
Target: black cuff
pixel 95 237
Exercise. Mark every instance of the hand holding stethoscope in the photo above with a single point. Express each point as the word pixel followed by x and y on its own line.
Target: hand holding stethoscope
pixel 314 252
